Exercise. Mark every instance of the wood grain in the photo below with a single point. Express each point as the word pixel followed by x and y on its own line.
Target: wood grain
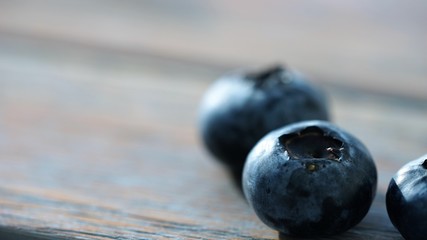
pixel 98 147
pixel 100 141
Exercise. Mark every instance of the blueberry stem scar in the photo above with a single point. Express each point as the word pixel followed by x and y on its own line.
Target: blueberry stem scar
pixel 311 143
pixel 266 74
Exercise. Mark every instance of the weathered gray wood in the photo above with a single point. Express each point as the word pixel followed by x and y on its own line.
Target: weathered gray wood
pixel 97 147
pixel 98 139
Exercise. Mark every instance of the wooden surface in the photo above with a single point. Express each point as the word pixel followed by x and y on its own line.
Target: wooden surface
pixel 98 136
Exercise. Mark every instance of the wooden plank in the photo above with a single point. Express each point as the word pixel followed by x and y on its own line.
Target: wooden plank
pixel 376 45
pixel 96 145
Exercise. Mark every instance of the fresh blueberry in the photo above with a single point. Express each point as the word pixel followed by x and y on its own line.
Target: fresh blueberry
pixel 406 199
pixel 240 108
pixel 310 179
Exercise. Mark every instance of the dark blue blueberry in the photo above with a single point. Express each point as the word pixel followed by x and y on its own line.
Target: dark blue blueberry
pixel 310 179
pixel 406 199
pixel 240 108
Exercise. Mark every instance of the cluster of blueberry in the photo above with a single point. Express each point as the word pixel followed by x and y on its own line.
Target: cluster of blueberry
pixel 302 174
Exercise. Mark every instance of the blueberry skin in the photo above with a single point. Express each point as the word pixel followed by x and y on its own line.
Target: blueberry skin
pixel 406 199
pixel 310 179
pixel 240 108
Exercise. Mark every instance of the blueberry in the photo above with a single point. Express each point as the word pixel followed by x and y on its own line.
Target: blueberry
pixel 406 199
pixel 240 108
pixel 310 179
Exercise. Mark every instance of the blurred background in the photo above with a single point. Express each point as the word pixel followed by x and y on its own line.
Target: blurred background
pixel 99 100
pixel 375 45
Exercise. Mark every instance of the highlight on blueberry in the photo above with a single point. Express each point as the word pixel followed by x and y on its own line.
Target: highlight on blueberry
pixel 406 199
pixel 310 179
pixel 240 108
